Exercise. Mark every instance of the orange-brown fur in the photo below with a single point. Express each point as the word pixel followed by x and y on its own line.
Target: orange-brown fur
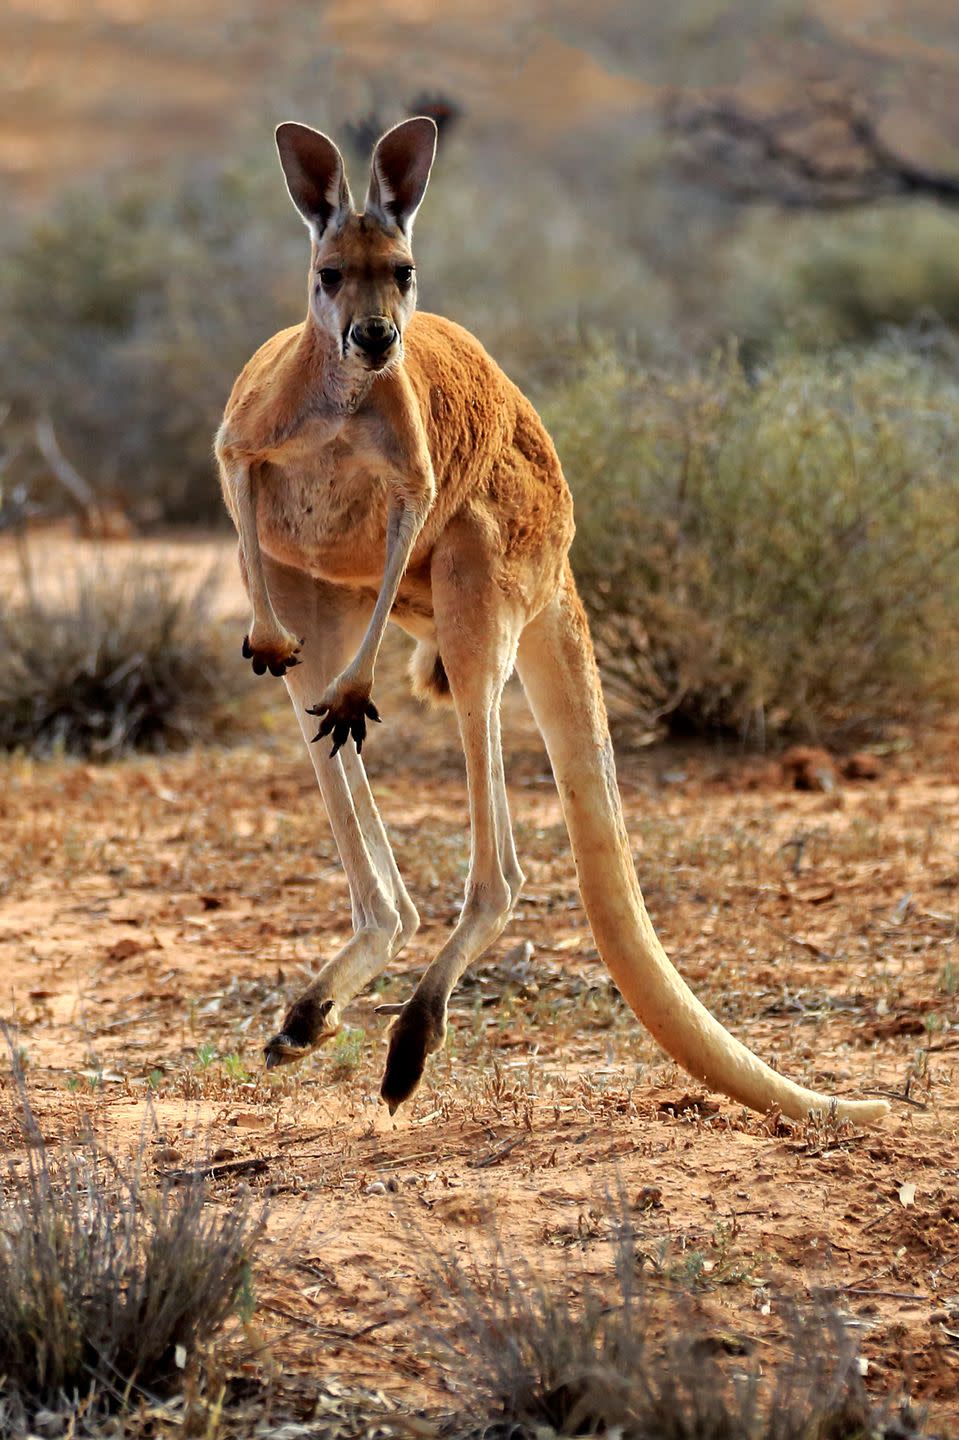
pixel 489 451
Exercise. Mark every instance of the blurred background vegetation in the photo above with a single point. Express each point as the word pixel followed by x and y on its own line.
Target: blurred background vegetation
pixel 739 322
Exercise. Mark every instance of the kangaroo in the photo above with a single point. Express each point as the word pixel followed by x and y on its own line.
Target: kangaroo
pixel 378 465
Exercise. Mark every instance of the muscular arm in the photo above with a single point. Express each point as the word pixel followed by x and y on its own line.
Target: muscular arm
pixel 268 644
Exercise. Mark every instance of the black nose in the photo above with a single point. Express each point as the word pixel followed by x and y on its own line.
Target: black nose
pixel 374 336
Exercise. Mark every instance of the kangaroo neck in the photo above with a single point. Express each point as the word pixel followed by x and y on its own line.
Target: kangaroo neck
pixel 335 387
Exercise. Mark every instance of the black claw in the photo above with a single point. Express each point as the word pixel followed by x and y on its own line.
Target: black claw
pixel 316 709
pixel 259 666
pixel 247 650
pixel 293 660
pixel 373 713
pixel 278 668
pixel 327 723
pixel 341 733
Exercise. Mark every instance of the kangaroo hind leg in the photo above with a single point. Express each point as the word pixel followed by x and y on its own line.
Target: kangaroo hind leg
pixel 477 631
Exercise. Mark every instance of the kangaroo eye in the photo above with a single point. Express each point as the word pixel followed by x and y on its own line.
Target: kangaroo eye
pixel 330 278
pixel 404 276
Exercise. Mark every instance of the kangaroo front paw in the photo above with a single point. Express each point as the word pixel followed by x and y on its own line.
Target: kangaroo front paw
pixel 277 656
pixel 309 1022
pixel 418 1032
pixel 345 711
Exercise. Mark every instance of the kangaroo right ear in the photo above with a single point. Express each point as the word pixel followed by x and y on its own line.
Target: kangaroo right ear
pixel 315 175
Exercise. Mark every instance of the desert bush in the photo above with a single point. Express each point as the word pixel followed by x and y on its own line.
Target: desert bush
pixel 815 280
pixel 525 1359
pixel 773 550
pixel 109 1281
pixel 113 660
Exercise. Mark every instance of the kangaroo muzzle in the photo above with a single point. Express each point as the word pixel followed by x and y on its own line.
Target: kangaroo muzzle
pixel 374 337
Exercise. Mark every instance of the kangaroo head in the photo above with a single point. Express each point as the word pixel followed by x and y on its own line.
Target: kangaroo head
pixel 362 276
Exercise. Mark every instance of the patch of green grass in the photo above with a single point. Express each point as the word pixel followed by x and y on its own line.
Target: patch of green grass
pixel 345 1051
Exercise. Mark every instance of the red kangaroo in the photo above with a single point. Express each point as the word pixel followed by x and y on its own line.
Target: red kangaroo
pixel 378 465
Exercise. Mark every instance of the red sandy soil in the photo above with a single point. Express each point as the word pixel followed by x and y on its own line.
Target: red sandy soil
pixel 157 914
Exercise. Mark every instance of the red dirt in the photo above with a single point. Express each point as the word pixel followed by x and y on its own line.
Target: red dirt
pixel 157 914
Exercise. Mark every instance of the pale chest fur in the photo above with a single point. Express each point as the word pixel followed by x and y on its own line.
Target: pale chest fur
pixel 322 502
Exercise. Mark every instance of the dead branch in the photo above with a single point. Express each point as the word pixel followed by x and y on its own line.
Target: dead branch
pixel 66 474
pixel 99 521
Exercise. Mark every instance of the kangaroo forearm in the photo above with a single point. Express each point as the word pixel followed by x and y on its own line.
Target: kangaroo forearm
pixel 404 528
pixel 240 480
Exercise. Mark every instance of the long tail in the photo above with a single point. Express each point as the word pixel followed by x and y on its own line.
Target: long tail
pixel 558 670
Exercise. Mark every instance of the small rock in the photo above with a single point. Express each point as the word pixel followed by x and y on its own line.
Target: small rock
pixel 862 766
pixel 682 1104
pixel 375 1187
pixel 650 1197
pixel 807 767
pixel 248 1120
pixel 124 949
pixel 168 1155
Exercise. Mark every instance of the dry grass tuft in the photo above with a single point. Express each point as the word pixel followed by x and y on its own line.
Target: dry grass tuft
pixel 119 660
pixel 109 1284
pixel 527 1360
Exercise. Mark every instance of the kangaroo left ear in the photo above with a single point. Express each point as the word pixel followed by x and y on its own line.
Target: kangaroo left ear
pixel 400 172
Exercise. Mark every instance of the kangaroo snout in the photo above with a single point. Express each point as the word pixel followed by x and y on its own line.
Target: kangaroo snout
pixel 374 336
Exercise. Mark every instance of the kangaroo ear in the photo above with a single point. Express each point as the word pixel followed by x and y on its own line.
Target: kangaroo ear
pixel 315 176
pixel 401 168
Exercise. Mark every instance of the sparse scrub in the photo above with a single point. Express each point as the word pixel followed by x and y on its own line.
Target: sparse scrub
pixel 842 279
pixel 120 659
pixel 127 314
pixel 769 551
pixel 109 1283
pixel 525 1360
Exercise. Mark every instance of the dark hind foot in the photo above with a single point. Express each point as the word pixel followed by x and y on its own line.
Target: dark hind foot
pixel 418 1031
pixel 309 1022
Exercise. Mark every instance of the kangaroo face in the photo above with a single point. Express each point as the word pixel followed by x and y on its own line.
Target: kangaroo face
pixel 362 276
pixel 363 290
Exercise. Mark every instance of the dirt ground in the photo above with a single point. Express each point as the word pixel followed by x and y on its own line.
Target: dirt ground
pixel 156 915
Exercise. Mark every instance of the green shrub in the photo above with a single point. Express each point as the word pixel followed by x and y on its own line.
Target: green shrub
pixel 117 660
pixel 127 315
pixel 775 551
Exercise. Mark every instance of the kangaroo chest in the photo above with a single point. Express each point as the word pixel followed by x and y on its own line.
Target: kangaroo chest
pixel 322 504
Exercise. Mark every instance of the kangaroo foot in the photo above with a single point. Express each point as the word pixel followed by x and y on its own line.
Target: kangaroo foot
pixel 417 1032
pixel 309 1022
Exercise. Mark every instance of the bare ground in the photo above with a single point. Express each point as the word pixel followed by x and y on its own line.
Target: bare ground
pixel 157 915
